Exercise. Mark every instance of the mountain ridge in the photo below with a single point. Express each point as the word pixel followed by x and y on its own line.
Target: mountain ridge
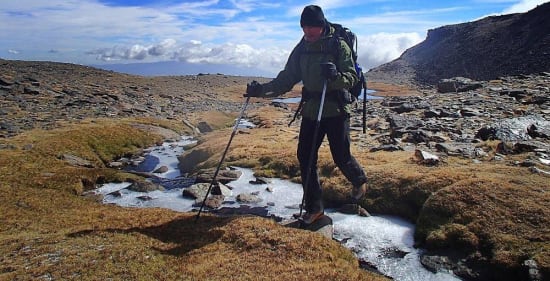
pixel 484 49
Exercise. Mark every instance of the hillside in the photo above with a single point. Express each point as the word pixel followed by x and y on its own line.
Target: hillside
pixel 481 50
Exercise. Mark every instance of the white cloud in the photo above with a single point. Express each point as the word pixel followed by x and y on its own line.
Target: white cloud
pixel 380 48
pixel 15 52
pixel 523 6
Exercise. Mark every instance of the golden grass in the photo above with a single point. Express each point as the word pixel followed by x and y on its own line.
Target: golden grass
pixel 48 230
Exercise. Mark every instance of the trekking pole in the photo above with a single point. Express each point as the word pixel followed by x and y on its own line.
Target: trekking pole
pixel 313 146
pixel 223 157
pixel 364 103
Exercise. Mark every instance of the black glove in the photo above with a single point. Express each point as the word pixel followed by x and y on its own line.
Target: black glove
pixel 253 89
pixel 329 71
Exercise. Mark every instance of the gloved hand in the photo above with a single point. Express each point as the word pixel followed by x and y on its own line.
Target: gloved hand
pixel 253 89
pixel 329 71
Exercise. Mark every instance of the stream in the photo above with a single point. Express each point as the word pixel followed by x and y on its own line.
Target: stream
pixel 384 242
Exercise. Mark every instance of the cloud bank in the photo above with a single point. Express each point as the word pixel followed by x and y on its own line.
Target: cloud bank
pixel 241 33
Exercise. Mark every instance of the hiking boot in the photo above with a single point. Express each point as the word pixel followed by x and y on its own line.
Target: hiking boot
pixel 309 218
pixel 358 191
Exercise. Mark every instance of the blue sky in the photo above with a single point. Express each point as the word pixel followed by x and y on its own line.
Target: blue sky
pixel 244 33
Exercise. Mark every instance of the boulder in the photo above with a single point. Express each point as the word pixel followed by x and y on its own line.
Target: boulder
pixel 516 129
pixel 457 84
pixel 196 191
pixel 189 160
pixel 248 198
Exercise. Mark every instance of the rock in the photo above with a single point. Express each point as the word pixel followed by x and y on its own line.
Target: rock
pixel 116 164
pixel 259 181
pixel 160 170
pixel 144 186
pixel 323 226
pixel 542 172
pixel 426 158
pixel 77 161
pixel 189 160
pixel 145 198
pixel 221 189
pixel 468 150
pixel 196 191
pixel 515 129
pixel 457 84
pixel 115 193
pixel 353 209
pixel 533 271
pixel 248 198
pixel 224 176
pixel 204 127
pixel 212 202
pixel 387 147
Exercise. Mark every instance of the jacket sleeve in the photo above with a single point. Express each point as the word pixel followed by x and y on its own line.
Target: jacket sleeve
pixel 288 77
pixel 347 76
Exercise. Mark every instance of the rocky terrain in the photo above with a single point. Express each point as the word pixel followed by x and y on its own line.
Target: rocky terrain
pixel 501 121
pixel 461 113
pixel 481 50
pixel 43 94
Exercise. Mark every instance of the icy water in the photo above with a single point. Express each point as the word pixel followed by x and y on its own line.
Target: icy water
pixel 375 239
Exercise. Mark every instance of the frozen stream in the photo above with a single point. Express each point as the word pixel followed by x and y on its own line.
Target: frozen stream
pixel 371 238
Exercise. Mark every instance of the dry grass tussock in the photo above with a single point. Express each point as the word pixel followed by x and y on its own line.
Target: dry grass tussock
pixel 48 230
pixel 495 213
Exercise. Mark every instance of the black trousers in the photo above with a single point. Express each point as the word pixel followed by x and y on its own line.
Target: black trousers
pixel 337 131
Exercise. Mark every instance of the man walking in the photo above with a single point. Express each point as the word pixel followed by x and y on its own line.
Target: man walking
pixel 317 67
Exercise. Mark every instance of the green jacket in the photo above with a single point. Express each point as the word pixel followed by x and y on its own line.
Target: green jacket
pixel 304 64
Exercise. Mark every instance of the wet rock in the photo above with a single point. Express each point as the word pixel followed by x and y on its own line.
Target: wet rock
pixel 161 169
pixel 212 202
pixel 394 253
pixel 353 209
pixel 144 186
pixel 224 176
pixel 115 193
pixel 248 198
pixel 196 191
pixel 259 180
pixel 221 189
pixel 144 198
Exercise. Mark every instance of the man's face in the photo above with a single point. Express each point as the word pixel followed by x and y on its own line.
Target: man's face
pixel 312 33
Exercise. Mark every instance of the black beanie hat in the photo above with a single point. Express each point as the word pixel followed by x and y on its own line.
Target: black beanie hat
pixel 312 16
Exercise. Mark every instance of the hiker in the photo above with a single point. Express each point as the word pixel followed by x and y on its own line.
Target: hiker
pixel 310 63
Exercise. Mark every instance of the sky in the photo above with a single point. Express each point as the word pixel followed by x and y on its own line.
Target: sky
pixel 254 34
